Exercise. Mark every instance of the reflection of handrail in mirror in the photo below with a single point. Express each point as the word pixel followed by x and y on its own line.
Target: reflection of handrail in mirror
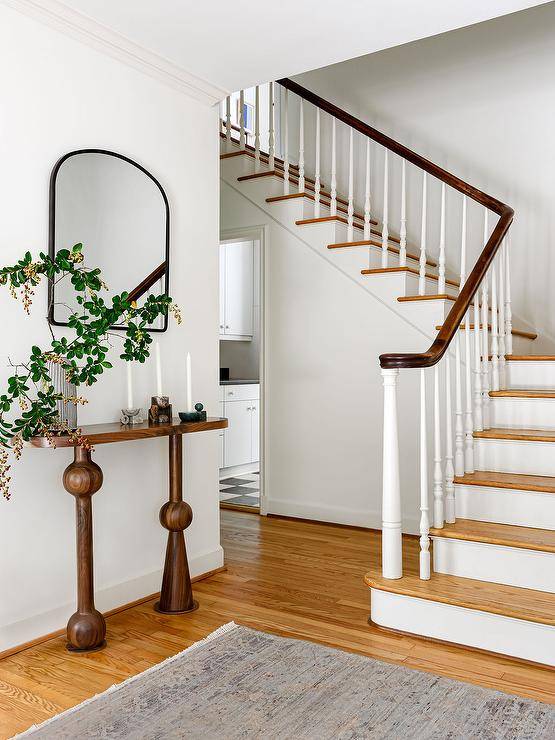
pixel 147 283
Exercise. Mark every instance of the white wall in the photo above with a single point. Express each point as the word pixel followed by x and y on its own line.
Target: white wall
pixel 480 102
pixel 58 95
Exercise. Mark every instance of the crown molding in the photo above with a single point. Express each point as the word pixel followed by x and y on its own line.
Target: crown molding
pixel 100 37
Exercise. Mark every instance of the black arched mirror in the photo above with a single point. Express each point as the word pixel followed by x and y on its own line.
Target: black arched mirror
pixel 120 213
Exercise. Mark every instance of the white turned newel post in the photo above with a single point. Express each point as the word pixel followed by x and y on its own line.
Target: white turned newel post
pixel 333 182
pixel 468 424
pixel 392 545
pixel 286 141
pixel 501 324
pixel 351 206
pixel 301 146
pixel 228 123
pixel 494 331
pixel 508 312
pixel 441 281
pixel 271 127
pixel 242 140
pixel 422 272
pixel 449 469
pixel 256 128
pixel 317 168
pixel 438 474
pixel 385 232
pixel 367 194
pixel 459 429
pixel 424 517
pixel 478 422
pixel 403 228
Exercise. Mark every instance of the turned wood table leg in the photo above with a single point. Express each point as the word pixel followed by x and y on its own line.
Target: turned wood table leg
pixel 176 596
pixel 86 628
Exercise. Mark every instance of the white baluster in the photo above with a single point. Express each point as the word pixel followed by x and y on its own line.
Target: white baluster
pixel 508 312
pixel 485 354
pixel 494 331
pixel 403 228
pixel 441 281
pixel 228 123
pixel 286 142
pixel 463 244
pixel 317 168
pixel 422 273
pixel 468 424
pixel 459 428
pixel 271 127
pixel 367 194
pixel 333 182
pixel 256 128
pixel 501 325
pixel 350 207
pixel 385 232
pixel 392 546
pixel 301 146
pixel 449 469
pixel 478 422
pixel 424 516
pixel 242 139
pixel 438 475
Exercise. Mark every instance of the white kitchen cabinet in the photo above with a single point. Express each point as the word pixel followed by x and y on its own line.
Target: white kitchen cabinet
pixel 237 290
pixel 241 407
pixel 222 436
pixel 255 431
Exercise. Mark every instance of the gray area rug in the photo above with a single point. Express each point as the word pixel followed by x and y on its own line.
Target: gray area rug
pixel 240 683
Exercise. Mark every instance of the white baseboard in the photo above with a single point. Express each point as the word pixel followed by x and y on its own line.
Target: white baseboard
pixel 369 518
pixel 110 597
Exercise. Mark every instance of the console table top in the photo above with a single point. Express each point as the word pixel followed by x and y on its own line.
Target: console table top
pixel 98 434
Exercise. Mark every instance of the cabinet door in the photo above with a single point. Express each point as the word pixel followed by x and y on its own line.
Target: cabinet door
pixel 222 289
pixel 239 288
pixel 255 432
pixel 238 437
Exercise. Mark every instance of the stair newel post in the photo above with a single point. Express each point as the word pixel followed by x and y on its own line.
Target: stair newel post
pixel 478 422
pixel 441 261
pixel 286 142
pixel 392 544
pixel 459 433
pixel 271 127
pixel 468 422
pixel 367 194
pixel 485 339
pixel 257 128
pixel 242 138
pixel 422 273
pixel 494 331
pixel 351 206
pixel 424 506
pixel 317 168
pixel 333 181
pixel 385 231
pixel 438 473
pixel 449 508
pixel 508 312
pixel 228 123
pixel 501 308
pixel 301 146
pixel 403 226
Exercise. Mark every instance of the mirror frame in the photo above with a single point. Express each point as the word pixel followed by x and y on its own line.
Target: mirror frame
pixel 163 269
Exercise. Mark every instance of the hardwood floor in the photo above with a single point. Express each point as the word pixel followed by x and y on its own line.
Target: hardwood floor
pixel 284 576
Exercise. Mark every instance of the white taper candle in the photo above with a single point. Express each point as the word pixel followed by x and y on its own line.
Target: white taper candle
pixel 189 384
pixel 158 371
pixel 129 386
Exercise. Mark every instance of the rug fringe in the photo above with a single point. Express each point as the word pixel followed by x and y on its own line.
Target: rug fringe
pixel 225 628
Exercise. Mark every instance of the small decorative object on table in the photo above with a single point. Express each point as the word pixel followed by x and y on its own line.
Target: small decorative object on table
pixel 198 415
pixel 131 416
pixel 160 411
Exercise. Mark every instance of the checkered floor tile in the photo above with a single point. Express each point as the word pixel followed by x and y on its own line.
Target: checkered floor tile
pixel 242 489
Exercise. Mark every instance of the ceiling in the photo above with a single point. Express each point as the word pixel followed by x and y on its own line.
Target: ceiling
pixel 238 43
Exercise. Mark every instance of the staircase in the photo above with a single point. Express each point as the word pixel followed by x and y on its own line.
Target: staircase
pixel 485 576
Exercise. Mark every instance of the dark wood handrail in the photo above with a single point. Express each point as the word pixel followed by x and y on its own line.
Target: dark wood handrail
pixel 148 282
pixel 451 324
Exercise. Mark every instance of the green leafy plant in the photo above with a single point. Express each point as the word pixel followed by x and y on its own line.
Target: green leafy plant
pixel 82 358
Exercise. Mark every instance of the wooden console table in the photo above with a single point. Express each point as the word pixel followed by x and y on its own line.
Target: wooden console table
pixel 86 629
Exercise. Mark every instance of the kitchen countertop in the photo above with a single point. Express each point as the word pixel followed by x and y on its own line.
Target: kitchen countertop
pixel 239 381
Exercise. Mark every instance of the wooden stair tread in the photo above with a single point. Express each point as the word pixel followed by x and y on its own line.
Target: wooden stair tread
pixel 511 481
pixel 528 435
pixel 509 535
pixel 530 358
pixel 412 270
pixel 523 393
pixel 514 332
pixel 325 203
pixel 428 297
pixel 374 243
pixel 495 598
pixel 293 178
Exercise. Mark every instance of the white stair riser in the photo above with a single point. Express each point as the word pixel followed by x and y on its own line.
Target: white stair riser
pixel 512 566
pixel 505 506
pixel 522 413
pixel 515 456
pixel 525 374
pixel 497 633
